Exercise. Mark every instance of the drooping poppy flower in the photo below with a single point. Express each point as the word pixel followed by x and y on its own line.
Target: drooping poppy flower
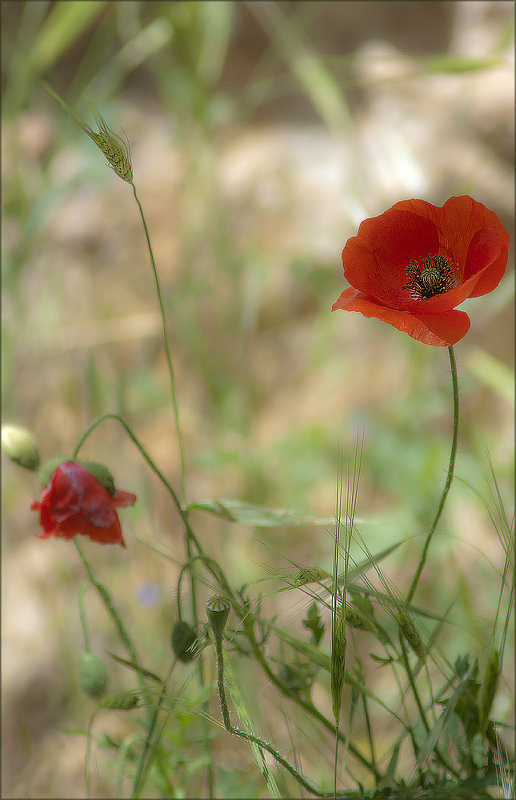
pixel 74 501
pixel 412 265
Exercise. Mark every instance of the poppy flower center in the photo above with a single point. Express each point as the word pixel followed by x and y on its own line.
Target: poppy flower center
pixel 429 276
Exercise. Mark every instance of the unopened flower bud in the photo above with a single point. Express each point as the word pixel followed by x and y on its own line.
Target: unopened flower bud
pixel 20 446
pixel 183 641
pixel 93 675
pixel 217 610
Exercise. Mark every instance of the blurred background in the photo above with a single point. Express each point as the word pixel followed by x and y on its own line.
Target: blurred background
pixel 261 135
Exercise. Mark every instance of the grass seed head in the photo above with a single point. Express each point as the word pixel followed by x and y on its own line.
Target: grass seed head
pixel 114 148
pixel 356 619
pixel 410 633
pixel 310 575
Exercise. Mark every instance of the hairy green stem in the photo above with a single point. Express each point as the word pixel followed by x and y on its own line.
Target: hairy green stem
pixel 307 706
pixel 250 737
pixel 449 478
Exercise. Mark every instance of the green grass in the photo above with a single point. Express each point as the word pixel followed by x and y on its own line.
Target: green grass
pixel 271 389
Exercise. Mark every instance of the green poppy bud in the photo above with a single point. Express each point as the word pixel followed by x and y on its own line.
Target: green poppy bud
pixel 20 446
pixel 183 641
pixel 93 675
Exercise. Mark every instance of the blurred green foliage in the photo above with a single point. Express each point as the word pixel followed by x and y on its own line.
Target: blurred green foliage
pixel 253 339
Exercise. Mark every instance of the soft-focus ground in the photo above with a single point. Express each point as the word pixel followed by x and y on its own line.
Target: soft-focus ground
pixel 248 214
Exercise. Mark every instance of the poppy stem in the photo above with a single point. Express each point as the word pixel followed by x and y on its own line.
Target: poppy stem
pixel 449 478
pixel 82 589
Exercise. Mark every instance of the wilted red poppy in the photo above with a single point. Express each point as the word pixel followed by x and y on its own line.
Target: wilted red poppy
pixel 74 501
pixel 412 265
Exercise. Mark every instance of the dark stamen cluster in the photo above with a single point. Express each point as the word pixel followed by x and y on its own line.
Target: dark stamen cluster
pixel 429 276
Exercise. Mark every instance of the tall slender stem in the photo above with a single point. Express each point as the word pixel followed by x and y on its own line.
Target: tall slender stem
pixel 167 347
pixel 188 532
pixel 449 478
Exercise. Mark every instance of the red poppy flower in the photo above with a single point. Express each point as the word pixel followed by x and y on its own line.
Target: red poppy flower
pixel 412 265
pixel 74 501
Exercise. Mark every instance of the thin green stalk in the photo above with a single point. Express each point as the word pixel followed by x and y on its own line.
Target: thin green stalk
pixel 449 478
pixel 167 347
pixel 82 614
pixel 122 632
pixel 369 728
pixel 422 715
pixel 144 764
pixel 335 760
pixel 408 671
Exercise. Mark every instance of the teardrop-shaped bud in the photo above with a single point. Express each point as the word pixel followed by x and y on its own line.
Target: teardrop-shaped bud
pixel 183 641
pixel 93 675
pixel 20 446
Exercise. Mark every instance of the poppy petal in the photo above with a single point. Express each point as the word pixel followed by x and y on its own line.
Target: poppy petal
pixel 438 330
pixel 487 252
pixel 412 265
pixel 375 261
pixel 75 502
pixel 122 499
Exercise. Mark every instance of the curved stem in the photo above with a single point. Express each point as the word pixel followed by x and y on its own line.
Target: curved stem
pixel 251 737
pixel 449 478
pixel 145 455
pixel 218 575
pixel 167 347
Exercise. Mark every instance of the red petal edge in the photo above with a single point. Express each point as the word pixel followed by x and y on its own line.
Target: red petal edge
pixel 438 330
